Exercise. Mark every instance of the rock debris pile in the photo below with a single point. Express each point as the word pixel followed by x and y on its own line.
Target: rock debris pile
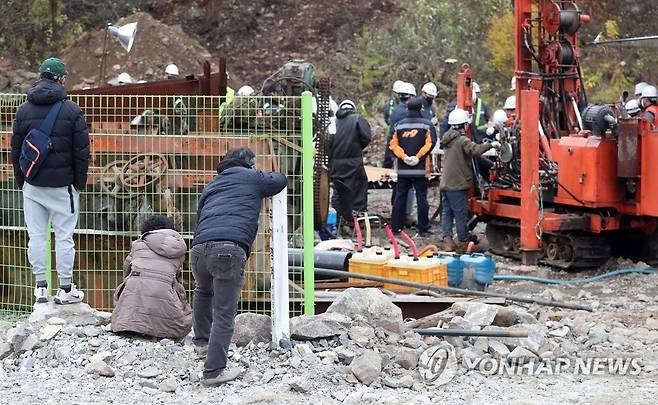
pixel 360 350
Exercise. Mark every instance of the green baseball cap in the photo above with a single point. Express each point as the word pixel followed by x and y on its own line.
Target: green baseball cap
pixel 54 66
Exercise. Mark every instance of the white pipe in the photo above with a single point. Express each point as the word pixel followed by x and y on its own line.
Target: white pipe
pixel 279 266
pixel 575 108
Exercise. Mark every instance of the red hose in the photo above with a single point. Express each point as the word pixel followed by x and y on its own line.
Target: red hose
pixel 396 248
pixel 359 236
pixel 411 243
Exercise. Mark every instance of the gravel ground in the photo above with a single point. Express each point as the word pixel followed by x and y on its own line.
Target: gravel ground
pixel 70 365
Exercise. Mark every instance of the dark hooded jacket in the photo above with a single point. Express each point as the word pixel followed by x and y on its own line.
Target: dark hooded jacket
pixel 151 300
pixel 68 160
pixel 230 204
pixel 457 174
pixel 353 134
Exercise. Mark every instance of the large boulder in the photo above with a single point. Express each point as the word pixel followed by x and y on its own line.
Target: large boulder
pixel 367 367
pixel 252 327
pixel 369 306
pixel 79 314
pixel 310 327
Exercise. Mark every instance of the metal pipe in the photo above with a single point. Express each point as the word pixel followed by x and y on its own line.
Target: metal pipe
pixel 513 333
pixel 452 290
pixel 325 259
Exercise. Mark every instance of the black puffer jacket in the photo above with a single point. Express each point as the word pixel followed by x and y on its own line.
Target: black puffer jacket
pixel 68 160
pixel 353 134
pixel 230 204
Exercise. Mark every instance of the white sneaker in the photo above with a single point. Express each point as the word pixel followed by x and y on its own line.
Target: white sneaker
pixel 41 294
pixel 70 297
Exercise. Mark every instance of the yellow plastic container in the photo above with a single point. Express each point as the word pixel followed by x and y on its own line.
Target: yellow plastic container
pixel 424 270
pixel 371 261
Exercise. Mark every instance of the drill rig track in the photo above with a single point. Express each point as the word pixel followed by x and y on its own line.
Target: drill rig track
pixel 569 251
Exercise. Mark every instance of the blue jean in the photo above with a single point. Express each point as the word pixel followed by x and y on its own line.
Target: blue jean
pixel 402 188
pixel 218 270
pixel 455 206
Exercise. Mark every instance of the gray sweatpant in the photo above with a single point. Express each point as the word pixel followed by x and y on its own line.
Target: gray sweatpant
pixel 60 205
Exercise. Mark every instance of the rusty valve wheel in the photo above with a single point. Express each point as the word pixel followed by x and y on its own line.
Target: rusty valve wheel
pixel 143 170
pixel 110 180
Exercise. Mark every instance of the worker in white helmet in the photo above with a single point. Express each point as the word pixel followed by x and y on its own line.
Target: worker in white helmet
pixel 638 89
pixel 510 106
pixel 121 79
pixel 346 169
pixel 499 122
pixel 406 92
pixel 245 91
pixel 481 115
pixel 457 178
pixel 649 103
pixel 428 94
pixel 633 108
pixel 389 106
pixel 171 71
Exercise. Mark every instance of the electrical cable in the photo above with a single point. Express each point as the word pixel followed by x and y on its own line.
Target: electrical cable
pixel 514 277
pixel 581 202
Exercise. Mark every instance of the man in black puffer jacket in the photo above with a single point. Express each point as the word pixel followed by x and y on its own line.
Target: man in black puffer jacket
pixel 53 193
pixel 227 223
pixel 346 168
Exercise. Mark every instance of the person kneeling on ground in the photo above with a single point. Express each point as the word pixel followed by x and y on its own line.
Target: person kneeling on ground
pixel 227 223
pixel 151 300
pixel 457 179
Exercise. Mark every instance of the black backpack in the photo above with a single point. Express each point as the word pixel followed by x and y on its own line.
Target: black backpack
pixel 37 144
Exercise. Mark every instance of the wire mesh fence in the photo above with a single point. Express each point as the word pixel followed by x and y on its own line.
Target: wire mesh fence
pixel 153 155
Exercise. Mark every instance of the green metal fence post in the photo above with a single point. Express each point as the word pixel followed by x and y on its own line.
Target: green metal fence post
pixel 307 203
pixel 49 263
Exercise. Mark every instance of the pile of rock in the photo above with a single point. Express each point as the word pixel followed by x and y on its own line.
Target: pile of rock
pixel 361 341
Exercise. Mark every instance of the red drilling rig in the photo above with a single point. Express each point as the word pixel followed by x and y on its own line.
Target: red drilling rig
pixel 574 182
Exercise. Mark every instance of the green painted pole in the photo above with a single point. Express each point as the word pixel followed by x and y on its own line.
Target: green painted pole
pixel 307 202
pixel 49 264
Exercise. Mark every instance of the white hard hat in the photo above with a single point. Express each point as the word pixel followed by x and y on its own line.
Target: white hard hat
pixel 633 107
pixel 172 69
pixel 649 92
pixel 513 83
pixel 457 117
pixel 510 103
pixel 408 88
pixel 398 86
pixel 499 117
pixel 347 105
pixel 476 87
pixel 245 91
pixel 125 78
pixel 430 88
pixel 639 87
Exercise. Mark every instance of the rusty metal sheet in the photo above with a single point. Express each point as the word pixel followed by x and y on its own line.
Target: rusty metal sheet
pixel 627 148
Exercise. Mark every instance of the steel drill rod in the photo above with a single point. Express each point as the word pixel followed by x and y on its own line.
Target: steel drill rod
pixel 468 332
pixel 452 290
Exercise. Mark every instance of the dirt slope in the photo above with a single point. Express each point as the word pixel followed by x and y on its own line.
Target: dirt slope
pixel 258 36
pixel 156 45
